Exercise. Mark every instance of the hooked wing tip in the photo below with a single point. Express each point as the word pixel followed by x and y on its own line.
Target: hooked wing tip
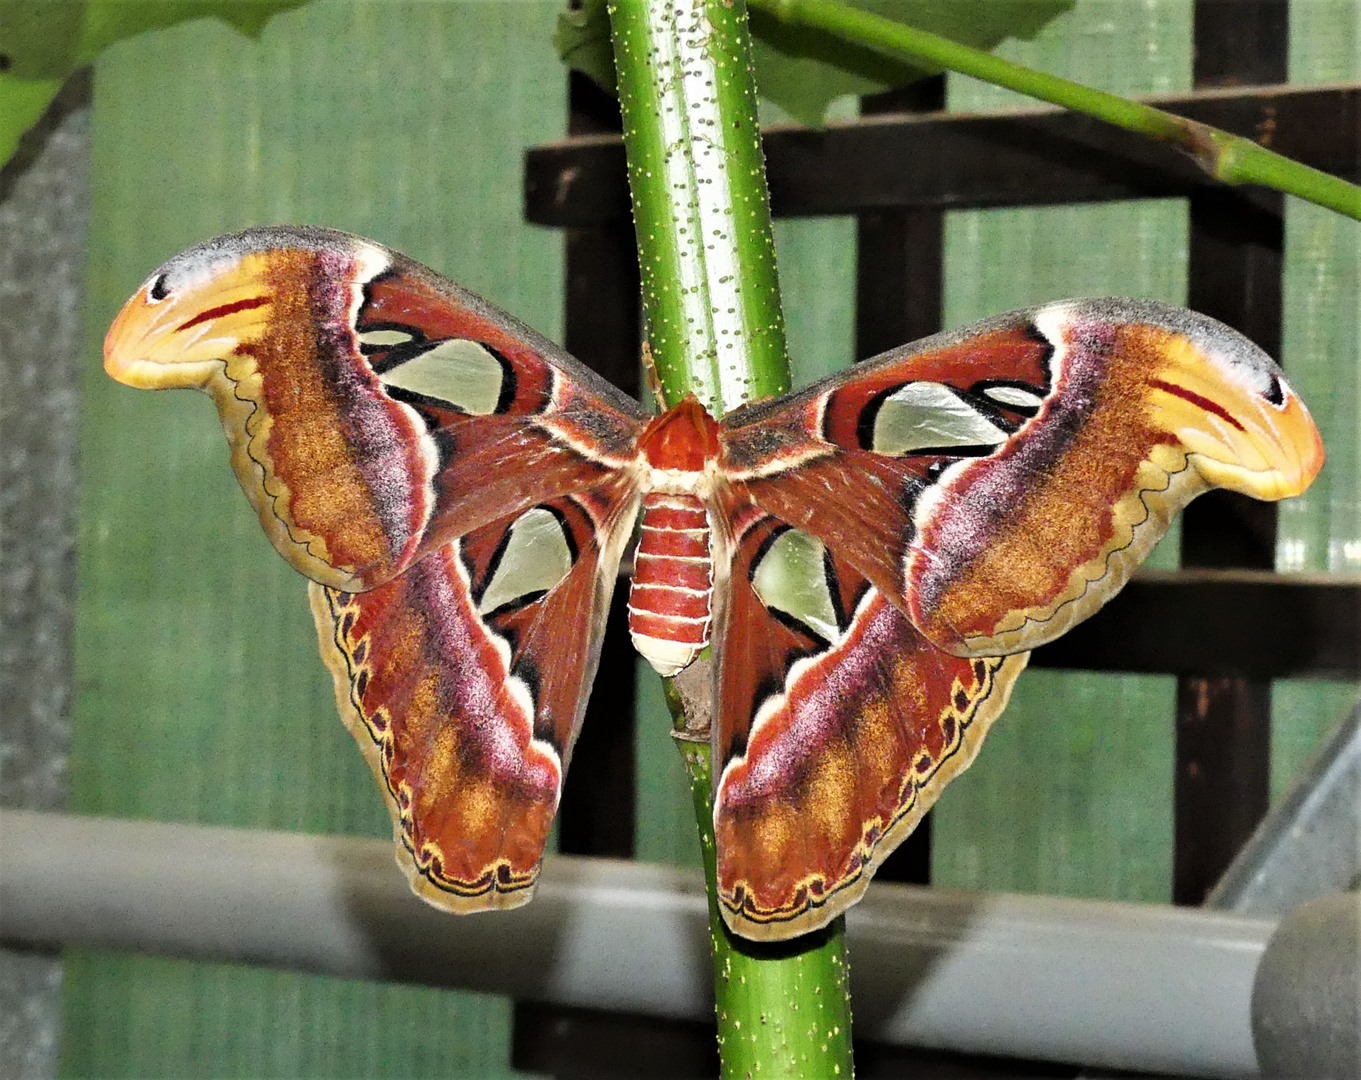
pixel 1249 435
pixel 200 306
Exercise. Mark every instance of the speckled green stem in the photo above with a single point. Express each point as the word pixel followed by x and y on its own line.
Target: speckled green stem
pixel 784 1010
pixel 1230 158
pixel 697 174
pixel 715 328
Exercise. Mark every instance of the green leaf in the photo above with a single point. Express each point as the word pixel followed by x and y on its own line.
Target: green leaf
pixel 42 42
pixel 803 70
pixel 38 40
pixel 22 103
pixel 582 38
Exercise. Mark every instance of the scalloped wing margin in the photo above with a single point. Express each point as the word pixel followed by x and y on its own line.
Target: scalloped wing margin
pixel 1000 482
pixel 464 681
pixel 375 411
pixel 838 725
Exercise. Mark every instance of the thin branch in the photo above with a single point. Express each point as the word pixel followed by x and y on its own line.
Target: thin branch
pixel 1231 159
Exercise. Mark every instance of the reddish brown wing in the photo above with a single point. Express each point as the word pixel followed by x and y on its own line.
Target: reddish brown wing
pixel 464 681
pixel 1000 482
pixel 837 726
pixel 969 496
pixel 374 409
pixel 456 485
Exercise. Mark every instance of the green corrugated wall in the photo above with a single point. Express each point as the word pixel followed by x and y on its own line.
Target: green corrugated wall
pixel 1073 791
pixel 200 695
pixel 1322 352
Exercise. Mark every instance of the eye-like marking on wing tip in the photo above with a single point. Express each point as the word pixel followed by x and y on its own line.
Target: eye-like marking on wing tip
pixel 178 330
pixel 1098 436
pixel 1153 406
pixel 263 322
pixel 216 300
pixel 1242 425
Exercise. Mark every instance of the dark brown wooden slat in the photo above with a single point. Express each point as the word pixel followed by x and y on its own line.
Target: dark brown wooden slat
pixel 898 281
pixel 603 327
pixel 596 815
pixel 898 278
pixel 877 1061
pixel 1220 624
pixel 1240 42
pixel 1223 777
pixel 898 251
pixel 586 1044
pixel 1223 751
pixel 1026 158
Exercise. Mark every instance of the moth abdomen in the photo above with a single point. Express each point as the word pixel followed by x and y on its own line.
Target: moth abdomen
pixel 669 607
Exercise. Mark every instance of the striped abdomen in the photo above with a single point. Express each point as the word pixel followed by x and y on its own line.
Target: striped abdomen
pixel 672 582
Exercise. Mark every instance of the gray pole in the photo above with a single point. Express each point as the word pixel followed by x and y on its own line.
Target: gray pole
pixel 1131 986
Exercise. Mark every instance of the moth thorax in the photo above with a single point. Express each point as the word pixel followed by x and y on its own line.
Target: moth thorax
pixel 669 612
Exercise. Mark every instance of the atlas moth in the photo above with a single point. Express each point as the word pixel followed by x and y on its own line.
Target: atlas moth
pixel 870 557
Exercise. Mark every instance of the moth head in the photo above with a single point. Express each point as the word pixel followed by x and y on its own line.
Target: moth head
pixel 190 316
pixel 681 439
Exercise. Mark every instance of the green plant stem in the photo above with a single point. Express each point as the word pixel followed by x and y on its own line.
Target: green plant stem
pixel 697 175
pixel 1231 159
pixel 715 329
pixel 783 1010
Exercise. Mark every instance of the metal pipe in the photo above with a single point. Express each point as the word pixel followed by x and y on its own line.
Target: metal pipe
pixel 1129 986
pixel 1309 845
pixel 1306 1000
